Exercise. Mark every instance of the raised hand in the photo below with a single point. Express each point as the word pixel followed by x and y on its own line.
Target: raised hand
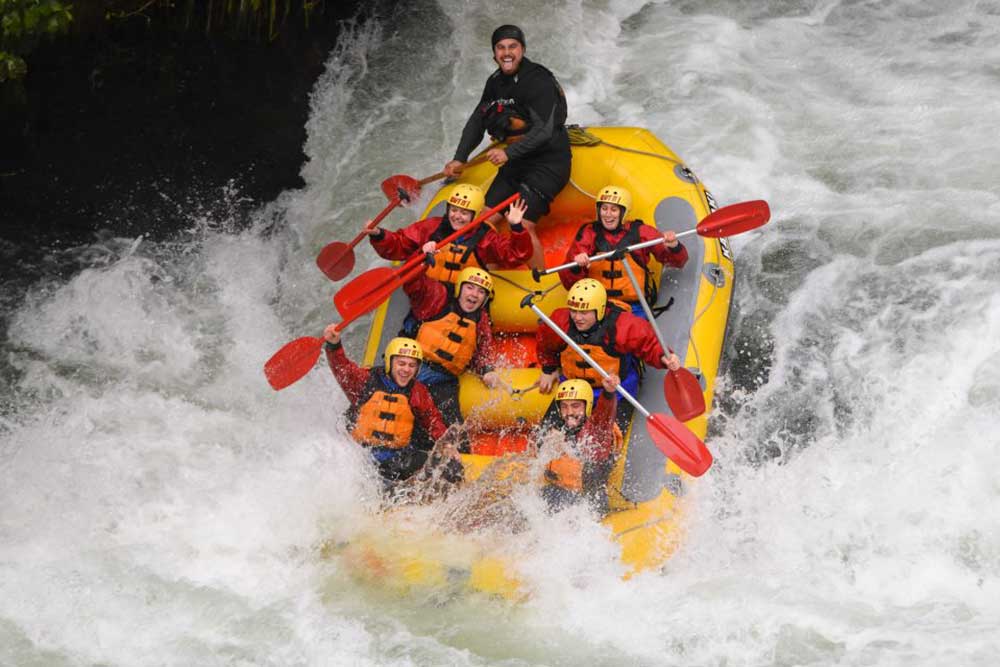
pixel 515 214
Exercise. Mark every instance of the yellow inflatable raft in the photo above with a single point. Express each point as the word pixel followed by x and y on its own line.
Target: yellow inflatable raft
pixel 644 488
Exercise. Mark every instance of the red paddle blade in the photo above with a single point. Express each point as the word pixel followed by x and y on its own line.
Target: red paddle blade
pixel 289 364
pixel 366 291
pixel 679 444
pixel 336 260
pixel 735 219
pixel 402 187
pixel 683 393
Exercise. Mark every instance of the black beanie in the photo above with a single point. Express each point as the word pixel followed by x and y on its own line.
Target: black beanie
pixel 508 32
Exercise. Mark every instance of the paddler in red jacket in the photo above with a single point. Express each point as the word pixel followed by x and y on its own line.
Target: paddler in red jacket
pixel 391 413
pixel 591 442
pixel 453 327
pixel 611 231
pixel 612 336
pixel 482 247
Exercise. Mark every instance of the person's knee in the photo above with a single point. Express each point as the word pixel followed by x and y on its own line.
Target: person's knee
pixel 538 206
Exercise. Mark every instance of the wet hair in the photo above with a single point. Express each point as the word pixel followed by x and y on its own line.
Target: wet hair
pixel 508 32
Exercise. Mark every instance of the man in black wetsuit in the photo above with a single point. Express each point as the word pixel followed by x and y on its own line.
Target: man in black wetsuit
pixel 523 105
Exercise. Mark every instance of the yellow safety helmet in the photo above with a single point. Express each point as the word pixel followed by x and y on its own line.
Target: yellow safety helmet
pixel 576 390
pixel 476 276
pixel 467 196
pixel 613 194
pixel 406 347
pixel 588 294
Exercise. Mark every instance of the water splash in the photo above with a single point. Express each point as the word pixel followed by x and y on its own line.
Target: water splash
pixel 161 504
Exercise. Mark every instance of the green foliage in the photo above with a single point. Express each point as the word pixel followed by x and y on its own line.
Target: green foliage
pixel 260 20
pixel 23 24
pixel 11 66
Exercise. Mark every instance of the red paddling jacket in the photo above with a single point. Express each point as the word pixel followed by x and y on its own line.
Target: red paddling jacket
pixel 597 441
pixel 449 337
pixel 383 414
pixel 592 238
pixel 481 247
pixel 620 333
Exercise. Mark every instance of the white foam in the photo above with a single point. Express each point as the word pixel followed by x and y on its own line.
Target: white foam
pixel 161 504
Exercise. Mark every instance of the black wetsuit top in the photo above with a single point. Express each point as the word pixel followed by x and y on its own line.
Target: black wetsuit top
pixel 533 94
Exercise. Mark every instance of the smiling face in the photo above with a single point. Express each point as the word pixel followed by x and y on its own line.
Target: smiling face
pixel 459 217
pixel 583 320
pixel 610 215
pixel 508 54
pixel 471 297
pixel 573 413
pixel 403 370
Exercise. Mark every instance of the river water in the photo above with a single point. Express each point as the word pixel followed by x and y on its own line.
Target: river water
pixel 159 504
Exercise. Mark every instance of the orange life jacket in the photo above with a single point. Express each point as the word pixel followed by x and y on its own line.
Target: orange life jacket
pixel 518 127
pixel 567 470
pixel 599 344
pixel 457 255
pixel 382 418
pixel 611 273
pixel 449 340
pixel 504 122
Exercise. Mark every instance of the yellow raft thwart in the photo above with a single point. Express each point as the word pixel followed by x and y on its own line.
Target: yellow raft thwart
pixel 644 488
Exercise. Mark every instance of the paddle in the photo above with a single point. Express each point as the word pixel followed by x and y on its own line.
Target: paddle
pixel 415 185
pixel 336 259
pixel 290 364
pixel 407 189
pixel 386 280
pixel 402 187
pixel 669 435
pixel 292 361
pixel 681 388
pixel 371 288
pixel 727 221
pixel 518 394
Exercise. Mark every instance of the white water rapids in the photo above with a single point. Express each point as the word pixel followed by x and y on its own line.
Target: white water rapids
pixel 160 505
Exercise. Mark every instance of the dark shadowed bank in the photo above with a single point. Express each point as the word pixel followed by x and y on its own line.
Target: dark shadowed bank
pixel 126 126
